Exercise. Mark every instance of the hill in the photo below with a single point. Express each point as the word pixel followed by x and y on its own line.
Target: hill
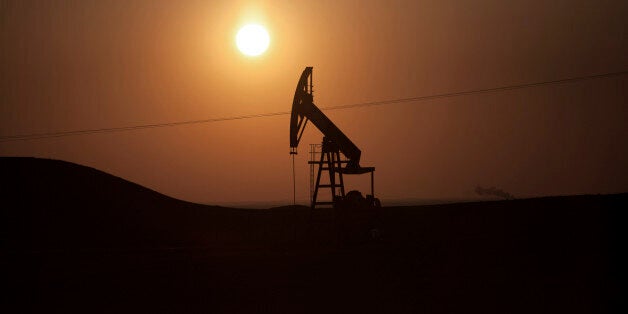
pixel 76 239
pixel 53 204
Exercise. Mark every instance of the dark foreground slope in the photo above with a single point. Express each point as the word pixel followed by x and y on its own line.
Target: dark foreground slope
pixel 82 241
pixel 53 204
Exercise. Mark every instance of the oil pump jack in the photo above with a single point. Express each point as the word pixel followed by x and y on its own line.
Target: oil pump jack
pixel 334 143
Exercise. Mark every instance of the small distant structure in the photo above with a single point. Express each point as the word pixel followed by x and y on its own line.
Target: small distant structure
pixel 493 191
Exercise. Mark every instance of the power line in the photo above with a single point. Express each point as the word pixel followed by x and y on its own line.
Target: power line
pixel 478 91
pixel 36 136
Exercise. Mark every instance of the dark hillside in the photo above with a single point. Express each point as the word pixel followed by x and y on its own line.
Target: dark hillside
pixel 76 239
pixel 52 204
pixel 56 204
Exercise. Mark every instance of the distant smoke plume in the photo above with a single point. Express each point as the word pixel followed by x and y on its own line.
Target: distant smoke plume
pixel 494 191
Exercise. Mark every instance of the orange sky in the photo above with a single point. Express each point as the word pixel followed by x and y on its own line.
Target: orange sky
pixel 89 64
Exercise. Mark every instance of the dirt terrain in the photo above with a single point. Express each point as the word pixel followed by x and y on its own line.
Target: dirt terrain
pixel 75 239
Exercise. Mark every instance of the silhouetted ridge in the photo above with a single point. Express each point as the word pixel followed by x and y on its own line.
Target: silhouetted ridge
pixel 48 177
pixel 57 204
pixel 53 204
pixel 71 234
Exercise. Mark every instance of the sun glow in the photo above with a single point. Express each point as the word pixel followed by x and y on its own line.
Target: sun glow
pixel 252 40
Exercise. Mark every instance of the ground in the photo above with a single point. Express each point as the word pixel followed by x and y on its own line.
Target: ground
pixel 554 254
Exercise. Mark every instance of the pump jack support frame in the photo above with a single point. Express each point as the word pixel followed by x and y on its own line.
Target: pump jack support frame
pixel 330 160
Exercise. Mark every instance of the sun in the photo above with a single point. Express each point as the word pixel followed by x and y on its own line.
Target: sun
pixel 252 39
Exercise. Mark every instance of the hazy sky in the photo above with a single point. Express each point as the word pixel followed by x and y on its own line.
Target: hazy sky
pixel 72 65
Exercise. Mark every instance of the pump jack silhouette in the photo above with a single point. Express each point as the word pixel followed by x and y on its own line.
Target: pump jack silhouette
pixel 335 143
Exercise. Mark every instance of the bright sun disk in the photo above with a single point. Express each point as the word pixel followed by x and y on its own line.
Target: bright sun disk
pixel 252 39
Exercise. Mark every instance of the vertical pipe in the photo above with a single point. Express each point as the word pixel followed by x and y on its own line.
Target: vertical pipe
pixel 294 184
pixel 373 183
